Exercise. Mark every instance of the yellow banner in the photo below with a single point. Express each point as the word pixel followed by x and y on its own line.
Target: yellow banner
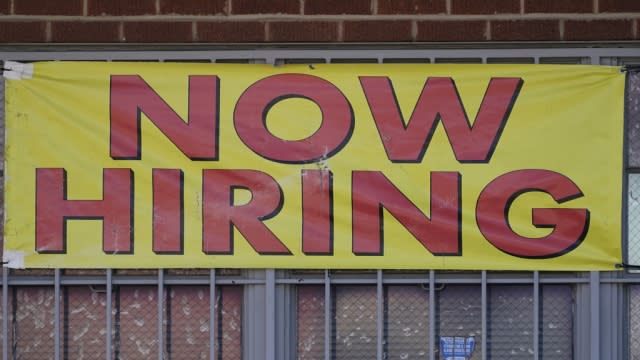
pixel 159 165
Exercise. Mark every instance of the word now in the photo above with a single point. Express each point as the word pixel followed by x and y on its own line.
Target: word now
pixel 403 141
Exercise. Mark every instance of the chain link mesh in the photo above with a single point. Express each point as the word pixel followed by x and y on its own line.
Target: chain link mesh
pixel 634 215
pixel 310 322
pixel 633 117
pixel 556 322
pixel 510 322
pixel 355 322
pixel 228 332
pixel 83 320
pixel 406 322
pixel 32 323
pixel 459 313
pixel 634 322
pixel 187 322
pixel 136 311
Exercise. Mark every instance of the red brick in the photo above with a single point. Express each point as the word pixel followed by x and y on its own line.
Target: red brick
pixel 84 31
pixel 303 31
pixel 17 31
pixel 180 323
pixel 4 6
pixel 411 6
pixel 377 31
pixel 525 30
pixel 598 30
pixel 451 31
pixel 485 7
pixel 40 7
pixel 619 6
pixel 134 309
pixel 121 7
pixel 555 6
pixel 153 32
pixel 193 7
pixel 231 31
pixel 265 7
pixel 85 317
pixel 337 7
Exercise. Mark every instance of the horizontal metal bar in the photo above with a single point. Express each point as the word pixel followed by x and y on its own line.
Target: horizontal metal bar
pixel 134 281
pixel 221 281
pixel 352 281
pixel 201 280
pixel 71 281
pixel 300 53
pixel 389 279
pixel 300 281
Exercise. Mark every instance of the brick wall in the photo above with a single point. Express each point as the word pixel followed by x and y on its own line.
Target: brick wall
pixel 237 21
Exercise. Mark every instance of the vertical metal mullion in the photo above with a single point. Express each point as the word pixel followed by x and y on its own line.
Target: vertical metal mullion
pixel 327 315
pixel 56 315
pixel 5 313
pixel 160 313
pixel 432 315
pixel 536 315
pixel 594 292
pixel 270 316
pixel 380 313
pixel 109 306
pixel 484 315
pixel 212 314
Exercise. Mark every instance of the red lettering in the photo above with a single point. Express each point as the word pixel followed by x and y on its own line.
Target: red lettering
pixel 220 214
pixel 570 226
pixel 254 104
pixel 168 211
pixel 440 100
pixel 131 95
pixel 372 192
pixel 53 210
pixel 317 212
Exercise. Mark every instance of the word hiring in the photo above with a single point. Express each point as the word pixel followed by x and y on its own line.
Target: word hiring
pixel 403 141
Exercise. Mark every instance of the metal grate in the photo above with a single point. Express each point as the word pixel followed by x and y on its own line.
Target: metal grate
pixel 633 219
pixel 459 313
pixel 310 322
pixel 406 310
pixel 83 322
pixel 634 322
pixel 355 322
pixel 510 322
pixel 32 324
pixel 556 322
pixel 187 323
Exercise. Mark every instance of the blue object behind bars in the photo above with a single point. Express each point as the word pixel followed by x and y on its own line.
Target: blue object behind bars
pixel 457 347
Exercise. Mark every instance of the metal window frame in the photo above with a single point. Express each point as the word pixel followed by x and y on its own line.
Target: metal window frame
pixel 600 296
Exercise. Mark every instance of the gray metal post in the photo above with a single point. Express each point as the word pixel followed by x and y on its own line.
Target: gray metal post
pixel 327 316
pixel 484 315
pixel 254 319
pixel 380 313
pixel 5 313
pixel 432 315
pixel 285 317
pixel 56 315
pixel 536 315
pixel 614 322
pixel 212 314
pixel 109 314
pixel 160 313
pixel 594 290
pixel 270 314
